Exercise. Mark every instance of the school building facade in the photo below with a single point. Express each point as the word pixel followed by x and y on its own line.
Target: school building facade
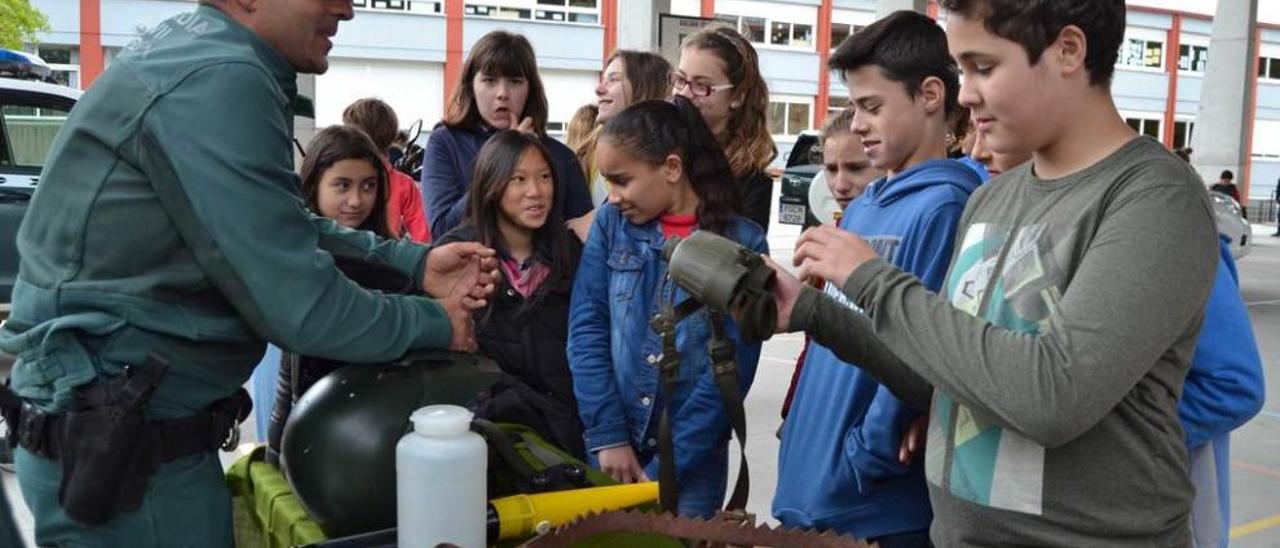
pixel 409 52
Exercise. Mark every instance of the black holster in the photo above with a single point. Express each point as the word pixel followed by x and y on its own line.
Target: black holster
pixel 106 455
pixel 108 450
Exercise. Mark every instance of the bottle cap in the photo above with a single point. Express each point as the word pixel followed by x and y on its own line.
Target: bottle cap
pixel 441 420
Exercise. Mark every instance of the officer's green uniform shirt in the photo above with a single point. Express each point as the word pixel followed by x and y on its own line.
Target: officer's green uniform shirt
pixel 169 221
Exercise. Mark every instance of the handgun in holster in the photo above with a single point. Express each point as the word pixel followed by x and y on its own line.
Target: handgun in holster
pixel 106 453
pixel 108 450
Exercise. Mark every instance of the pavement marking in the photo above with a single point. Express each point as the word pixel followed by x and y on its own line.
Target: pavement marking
pixel 1255 468
pixel 1263 303
pixel 1254 526
pixel 1271 414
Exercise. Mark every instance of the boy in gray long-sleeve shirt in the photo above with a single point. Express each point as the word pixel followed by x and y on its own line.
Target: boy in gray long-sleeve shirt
pixel 1055 356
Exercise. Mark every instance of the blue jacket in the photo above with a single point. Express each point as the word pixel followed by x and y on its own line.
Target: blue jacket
pixel 838 463
pixel 976 166
pixel 1224 388
pixel 450 160
pixel 622 282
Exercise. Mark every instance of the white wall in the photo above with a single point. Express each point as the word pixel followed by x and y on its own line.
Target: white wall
pixel 567 90
pixel 414 89
pixel 691 8
pixel 1266 138
pixel 852 17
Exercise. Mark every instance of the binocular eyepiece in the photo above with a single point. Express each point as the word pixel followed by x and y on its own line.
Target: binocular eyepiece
pixel 725 277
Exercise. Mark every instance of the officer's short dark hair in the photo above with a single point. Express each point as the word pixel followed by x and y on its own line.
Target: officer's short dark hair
pixel 1227 175
pixel 907 47
pixel 1034 24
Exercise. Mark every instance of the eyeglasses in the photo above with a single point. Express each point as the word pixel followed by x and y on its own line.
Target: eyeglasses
pixel 697 89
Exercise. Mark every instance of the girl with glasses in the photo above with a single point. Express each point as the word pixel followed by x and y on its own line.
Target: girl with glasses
pixel 720 73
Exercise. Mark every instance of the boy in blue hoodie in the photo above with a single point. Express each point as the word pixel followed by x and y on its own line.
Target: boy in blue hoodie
pixel 1223 390
pixel 838 463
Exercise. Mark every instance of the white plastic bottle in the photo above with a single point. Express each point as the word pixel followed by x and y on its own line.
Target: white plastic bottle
pixel 441 468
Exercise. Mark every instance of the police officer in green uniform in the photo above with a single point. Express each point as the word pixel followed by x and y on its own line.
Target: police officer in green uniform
pixel 166 244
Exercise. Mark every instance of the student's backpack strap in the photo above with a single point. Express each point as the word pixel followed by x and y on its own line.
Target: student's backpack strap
pixel 724 365
pixel 725 368
pixel 668 365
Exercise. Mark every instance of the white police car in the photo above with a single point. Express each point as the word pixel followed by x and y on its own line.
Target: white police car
pixel 32 110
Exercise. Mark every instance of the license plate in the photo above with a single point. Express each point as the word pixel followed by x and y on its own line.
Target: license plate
pixel 792 214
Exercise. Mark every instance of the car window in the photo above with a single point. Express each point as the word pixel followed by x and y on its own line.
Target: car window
pixel 4 149
pixel 29 128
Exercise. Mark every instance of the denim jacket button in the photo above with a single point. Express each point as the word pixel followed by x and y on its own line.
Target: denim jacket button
pixel 652 359
pixel 645 401
pixel 652 442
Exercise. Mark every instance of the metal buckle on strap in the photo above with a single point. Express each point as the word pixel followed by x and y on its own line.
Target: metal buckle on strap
pixel 231 412
pixel 233 438
pixel 722 356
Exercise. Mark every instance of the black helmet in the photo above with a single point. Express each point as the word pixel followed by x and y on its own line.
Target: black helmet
pixel 339 444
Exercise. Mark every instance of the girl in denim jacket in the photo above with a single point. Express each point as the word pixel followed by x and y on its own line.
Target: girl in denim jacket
pixel 668 177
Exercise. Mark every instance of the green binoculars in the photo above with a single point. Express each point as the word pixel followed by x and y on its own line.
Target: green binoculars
pixel 725 277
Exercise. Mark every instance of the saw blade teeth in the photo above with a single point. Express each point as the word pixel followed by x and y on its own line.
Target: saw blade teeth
pixel 724 530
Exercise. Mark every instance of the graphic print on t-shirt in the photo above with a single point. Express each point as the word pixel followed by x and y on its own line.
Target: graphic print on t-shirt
pixel 980 461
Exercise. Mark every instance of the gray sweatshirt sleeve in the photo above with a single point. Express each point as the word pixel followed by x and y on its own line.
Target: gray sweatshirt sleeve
pixel 830 323
pixel 1138 288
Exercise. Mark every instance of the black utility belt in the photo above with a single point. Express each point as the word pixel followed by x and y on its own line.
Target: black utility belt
pixel 107 449
pixel 45 434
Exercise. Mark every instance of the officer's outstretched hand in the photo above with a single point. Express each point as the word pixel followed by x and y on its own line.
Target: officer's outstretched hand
pixel 462 336
pixel 786 290
pixel 830 253
pixel 467 271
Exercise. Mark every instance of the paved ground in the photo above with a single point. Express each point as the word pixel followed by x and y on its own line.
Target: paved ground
pixel 1256 451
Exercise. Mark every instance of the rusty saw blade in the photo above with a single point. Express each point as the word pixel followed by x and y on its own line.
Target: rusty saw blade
pixel 735 532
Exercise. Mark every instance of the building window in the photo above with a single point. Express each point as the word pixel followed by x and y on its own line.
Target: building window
pixel 1145 126
pixel 836 104
pixel 573 11
pixel 1193 58
pixel 839 32
pixel 109 55
pixel 753 29
pixel 802 36
pixel 513 13
pixel 400 5
pixel 1137 52
pixel 1269 68
pixel 1182 130
pixel 64 62
pixel 759 30
pixel 781 34
pixel 787 118
pixel 791 34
